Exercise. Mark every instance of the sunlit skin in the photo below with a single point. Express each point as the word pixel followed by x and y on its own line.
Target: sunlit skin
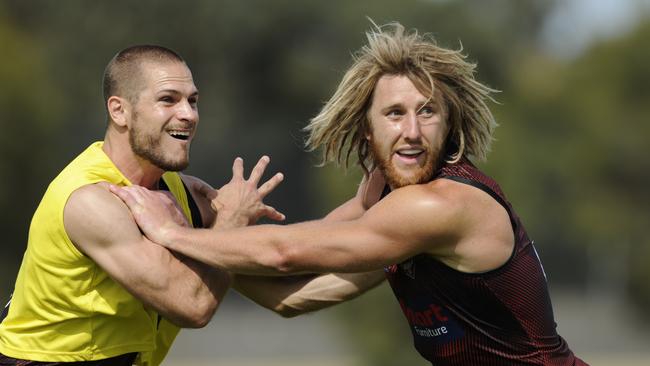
pixel 408 131
pixel 160 125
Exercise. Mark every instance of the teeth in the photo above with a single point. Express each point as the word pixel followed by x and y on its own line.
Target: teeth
pixel 410 152
pixel 180 133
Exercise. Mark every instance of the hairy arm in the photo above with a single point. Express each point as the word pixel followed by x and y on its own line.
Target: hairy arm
pixel 177 287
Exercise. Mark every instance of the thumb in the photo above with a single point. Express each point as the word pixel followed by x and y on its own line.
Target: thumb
pixel 123 194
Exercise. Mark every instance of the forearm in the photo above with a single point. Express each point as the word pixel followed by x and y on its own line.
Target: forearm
pixel 296 295
pixel 209 286
pixel 185 292
pixel 250 250
pixel 309 247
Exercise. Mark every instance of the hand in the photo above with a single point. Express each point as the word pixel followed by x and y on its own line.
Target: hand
pixel 239 202
pixel 371 188
pixel 155 212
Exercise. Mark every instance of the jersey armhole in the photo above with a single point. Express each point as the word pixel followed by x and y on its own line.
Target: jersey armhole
pixel 197 220
pixel 487 190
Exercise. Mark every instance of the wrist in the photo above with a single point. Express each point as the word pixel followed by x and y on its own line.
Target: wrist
pixel 229 220
pixel 171 236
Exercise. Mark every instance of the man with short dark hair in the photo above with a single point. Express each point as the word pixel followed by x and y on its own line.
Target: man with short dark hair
pixel 92 290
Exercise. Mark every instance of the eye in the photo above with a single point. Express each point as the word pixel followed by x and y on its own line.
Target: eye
pixel 394 113
pixel 426 111
pixel 194 101
pixel 166 99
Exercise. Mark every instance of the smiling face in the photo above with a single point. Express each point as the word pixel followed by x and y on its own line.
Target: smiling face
pixel 165 115
pixel 407 131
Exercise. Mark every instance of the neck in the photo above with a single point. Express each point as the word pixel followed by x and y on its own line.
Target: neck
pixel 137 170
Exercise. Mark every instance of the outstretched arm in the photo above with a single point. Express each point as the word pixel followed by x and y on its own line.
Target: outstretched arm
pixel 396 228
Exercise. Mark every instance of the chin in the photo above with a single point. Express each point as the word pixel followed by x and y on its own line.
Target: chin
pixel 172 166
pixel 397 180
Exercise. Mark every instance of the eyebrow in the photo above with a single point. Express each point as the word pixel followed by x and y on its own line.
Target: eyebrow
pixel 424 103
pixel 392 106
pixel 176 92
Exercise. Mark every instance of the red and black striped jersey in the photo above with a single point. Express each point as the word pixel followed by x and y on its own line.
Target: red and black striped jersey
pixel 500 317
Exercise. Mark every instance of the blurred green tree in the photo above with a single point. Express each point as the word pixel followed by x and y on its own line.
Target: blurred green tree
pixel 570 153
pixel 29 105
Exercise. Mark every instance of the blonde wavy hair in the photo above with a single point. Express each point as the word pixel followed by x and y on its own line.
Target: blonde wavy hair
pixel 342 125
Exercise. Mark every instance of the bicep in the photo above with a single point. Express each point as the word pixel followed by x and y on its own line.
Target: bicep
pixel 398 227
pixel 110 237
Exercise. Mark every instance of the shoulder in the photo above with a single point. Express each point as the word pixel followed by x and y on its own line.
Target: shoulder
pixel 95 200
pixel 441 197
pixel 92 214
pixel 436 215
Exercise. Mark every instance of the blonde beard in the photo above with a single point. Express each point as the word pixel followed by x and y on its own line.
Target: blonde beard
pixel 394 178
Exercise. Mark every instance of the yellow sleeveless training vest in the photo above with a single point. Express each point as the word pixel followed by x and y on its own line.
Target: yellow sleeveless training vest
pixel 65 308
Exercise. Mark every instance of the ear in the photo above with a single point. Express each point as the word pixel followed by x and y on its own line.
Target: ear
pixel 118 110
pixel 368 130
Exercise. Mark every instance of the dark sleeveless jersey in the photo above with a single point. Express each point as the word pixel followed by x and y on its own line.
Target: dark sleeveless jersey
pixel 499 317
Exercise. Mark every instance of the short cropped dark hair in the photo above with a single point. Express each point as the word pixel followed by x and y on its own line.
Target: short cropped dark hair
pixel 121 76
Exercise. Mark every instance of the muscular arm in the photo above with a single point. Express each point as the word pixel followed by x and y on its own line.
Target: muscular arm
pixel 460 225
pixel 180 289
pixel 393 230
pixel 295 295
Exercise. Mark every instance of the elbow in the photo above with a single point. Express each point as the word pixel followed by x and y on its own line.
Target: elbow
pixel 284 260
pixel 287 311
pixel 200 313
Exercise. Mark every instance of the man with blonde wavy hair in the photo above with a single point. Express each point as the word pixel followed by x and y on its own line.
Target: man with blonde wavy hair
pixel 458 258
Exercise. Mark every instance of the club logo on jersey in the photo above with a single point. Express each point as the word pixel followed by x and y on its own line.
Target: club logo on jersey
pixel 430 323
pixel 407 268
pixel 392 269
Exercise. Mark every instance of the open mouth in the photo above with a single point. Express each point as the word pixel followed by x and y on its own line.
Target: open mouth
pixel 179 134
pixel 410 153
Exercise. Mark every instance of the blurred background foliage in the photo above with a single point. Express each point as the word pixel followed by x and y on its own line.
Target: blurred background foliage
pixel 571 151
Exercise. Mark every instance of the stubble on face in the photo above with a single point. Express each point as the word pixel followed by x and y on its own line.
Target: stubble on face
pixel 394 177
pixel 148 147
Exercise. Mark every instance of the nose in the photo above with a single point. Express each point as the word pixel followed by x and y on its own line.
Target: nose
pixel 411 128
pixel 187 112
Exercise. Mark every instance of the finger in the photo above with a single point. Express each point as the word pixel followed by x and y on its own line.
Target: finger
pixel 259 169
pixel 169 199
pixel 125 195
pixel 238 168
pixel 105 184
pixel 374 188
pixel 363 186
pixel 273 214
pixel 270 185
